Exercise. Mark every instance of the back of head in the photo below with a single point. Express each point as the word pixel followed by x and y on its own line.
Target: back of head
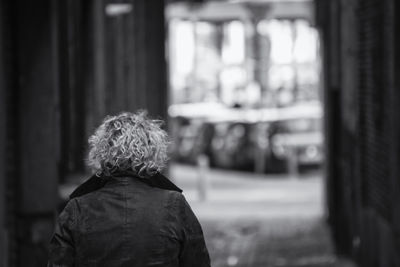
pixel 128 142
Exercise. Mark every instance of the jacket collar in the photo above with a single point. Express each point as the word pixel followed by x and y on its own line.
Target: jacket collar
pixel 96 182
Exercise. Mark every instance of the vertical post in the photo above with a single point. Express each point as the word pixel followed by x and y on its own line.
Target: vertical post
pixel 394 7
pixel 293 166
pixel 9 125
pixel 261 147
pixel 3 245
pixel 98 62
pixel 295 67
pixel 203 177
pixel 260 158
pixel 149 88
pixel 219 39
pixel 37 129
pixel 352 133
pixel 194 72
pixel 37 107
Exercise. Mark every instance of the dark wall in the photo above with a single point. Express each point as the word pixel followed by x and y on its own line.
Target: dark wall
pixel 360 59
pixel 3 250
pixel 28 126
pixel 8 136
pixel 64 65
pixel 111 62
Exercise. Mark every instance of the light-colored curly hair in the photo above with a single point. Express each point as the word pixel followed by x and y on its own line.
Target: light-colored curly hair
pixel 128 142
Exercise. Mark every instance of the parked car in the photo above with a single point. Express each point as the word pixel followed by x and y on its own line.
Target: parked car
pixel 298 138
pixel 260 140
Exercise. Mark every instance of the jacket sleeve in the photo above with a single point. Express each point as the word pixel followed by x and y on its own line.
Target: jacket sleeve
pixel 194 251
pixel 61 249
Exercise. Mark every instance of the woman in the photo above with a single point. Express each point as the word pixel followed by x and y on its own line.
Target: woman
pixel 128 213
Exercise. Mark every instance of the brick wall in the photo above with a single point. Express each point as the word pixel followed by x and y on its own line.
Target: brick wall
pixel 362 127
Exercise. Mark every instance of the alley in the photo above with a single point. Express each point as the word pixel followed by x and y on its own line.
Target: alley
pixel 257 220
pixel 260 90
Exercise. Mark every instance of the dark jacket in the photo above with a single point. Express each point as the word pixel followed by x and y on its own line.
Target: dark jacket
pixel 128 221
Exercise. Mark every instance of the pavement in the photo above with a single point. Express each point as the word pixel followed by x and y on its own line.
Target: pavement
pixel 235 195
pixel 258 220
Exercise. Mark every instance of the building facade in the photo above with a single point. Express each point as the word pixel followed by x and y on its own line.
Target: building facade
pixel 360 43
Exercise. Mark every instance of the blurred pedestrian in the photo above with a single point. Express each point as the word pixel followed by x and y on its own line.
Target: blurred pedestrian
pixel 128 213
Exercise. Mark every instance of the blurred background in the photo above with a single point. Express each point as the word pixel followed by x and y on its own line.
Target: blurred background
pixel 283 116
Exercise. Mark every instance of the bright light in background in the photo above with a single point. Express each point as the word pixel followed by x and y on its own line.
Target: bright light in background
pixel 208 61
pixel 290 40
pixel 182 45
pixel 305 49
pixel 231 78
pixel 293 58
pixel 113 10
pixel 281 76
pixel 233 75
pixel 247 103
pixel 280 34
pixel 233 51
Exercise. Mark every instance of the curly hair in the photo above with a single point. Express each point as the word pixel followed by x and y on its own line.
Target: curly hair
pixel 128 142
